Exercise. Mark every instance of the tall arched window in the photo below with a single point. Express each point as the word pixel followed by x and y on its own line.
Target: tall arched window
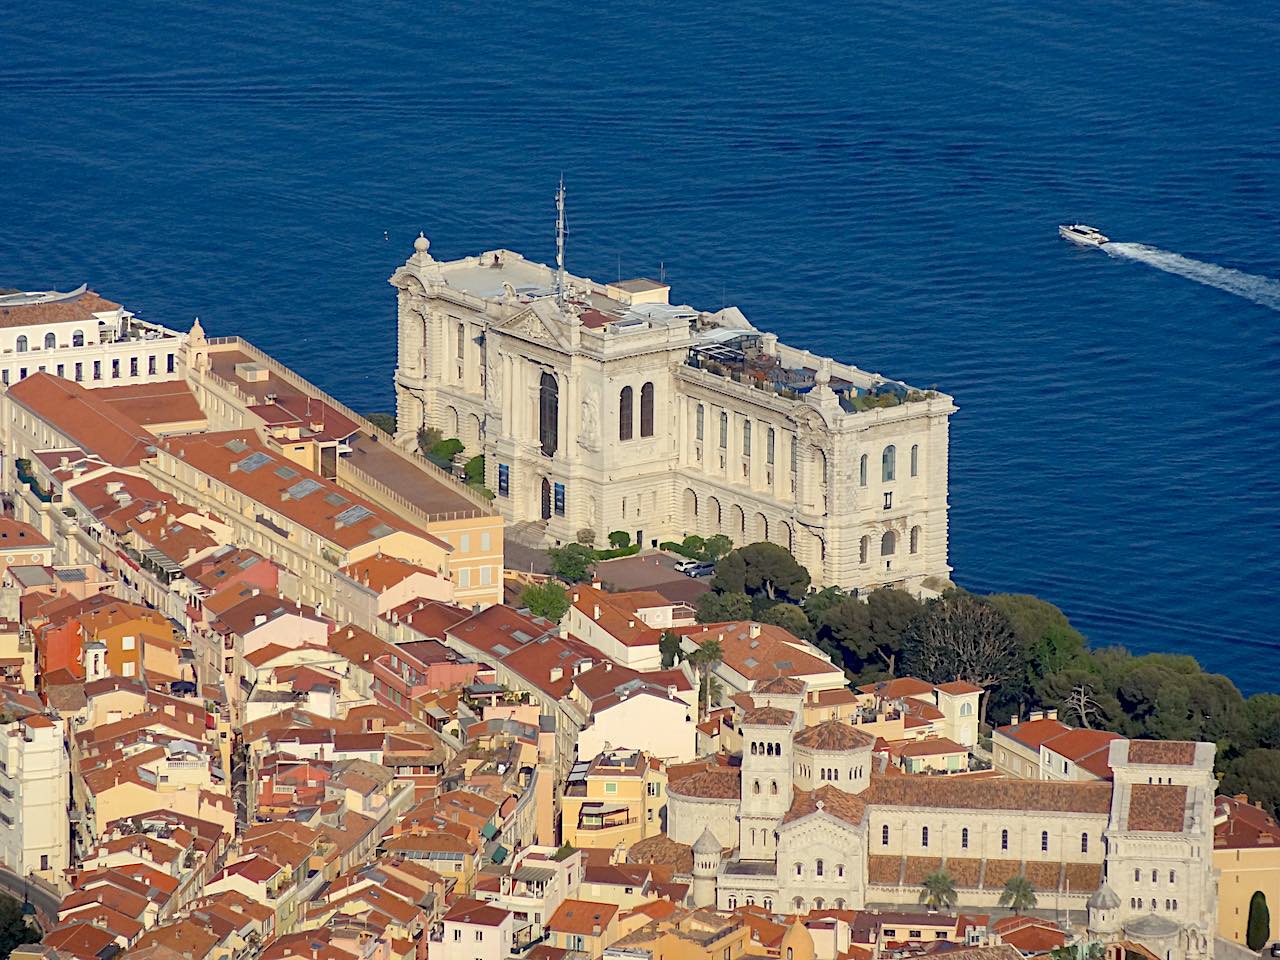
pixel 21 345
pixel 753 748
pixel 773 787
pixel 1084 843
pixel 646 410
pixel 818 868
pixel 77 338
pixel 755 787
pixel 915 539
pixel 546 499
pixel 548 414
pixel 862 471
pixel 1172 876
pixel 864 549
pixel 50 341
pixel 964 838
pixel 924 836
pixel 888 463
pixel 884 835
pixel 625 412
pixel 888 544
pixel 799 870
pixel 1044 841
pixel 1004 839
pixel 915 459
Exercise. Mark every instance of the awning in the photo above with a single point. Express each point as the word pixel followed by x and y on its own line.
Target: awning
pixel 499 853
pixel 488 831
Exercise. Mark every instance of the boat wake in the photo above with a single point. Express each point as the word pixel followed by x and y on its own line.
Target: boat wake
pixel 1261 290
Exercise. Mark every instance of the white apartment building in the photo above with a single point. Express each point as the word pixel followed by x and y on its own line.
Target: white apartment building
pixel 84 337
pixel 603 407
pixel 34 791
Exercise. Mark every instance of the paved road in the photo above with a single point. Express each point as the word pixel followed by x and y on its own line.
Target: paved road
pixel 42 897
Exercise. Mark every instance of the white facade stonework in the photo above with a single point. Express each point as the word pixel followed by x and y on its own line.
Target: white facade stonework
pixel 809 827
pixel 606 408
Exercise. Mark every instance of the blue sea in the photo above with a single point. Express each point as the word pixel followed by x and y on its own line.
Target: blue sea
pixel 881 181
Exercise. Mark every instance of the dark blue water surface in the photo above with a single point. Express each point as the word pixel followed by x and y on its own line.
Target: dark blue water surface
pixel 879 181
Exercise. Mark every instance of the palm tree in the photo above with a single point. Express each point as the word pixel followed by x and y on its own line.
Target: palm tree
pixel 1019 895
pixel 938 891
pixel 705 659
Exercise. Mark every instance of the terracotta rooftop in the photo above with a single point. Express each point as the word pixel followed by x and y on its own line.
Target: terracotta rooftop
pixel 661 849
pixel 929 747
pixel 154 404
pixel 80 308
pixel 76 413
pixel 897 688
pixel 844 806
pixel 833 735
pixel 967 793
pixel 768 717
pixel 1158 807
pixel 1239 825
pixel 786 686
pixel 1032 733
pixel 714 783
pixel 1177 753
pixel 586 917
pixel 16 535
pixel 959 687
pixel 380 572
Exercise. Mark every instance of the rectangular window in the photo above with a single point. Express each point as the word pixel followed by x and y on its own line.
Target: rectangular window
pixel 129 668
pixel 768 446
pixel 888 499
pixel 724 431
pixel 464 578
pixel 746 437
pixel 133 366
pixel 464 543
pixel 169 366
pixel 115 369
pixel 62 370
pixel 79 372
pixel 610 788
pixel 486 576
pixel 559 499
pixel 484 542
pixel 702 411
pixel 504 480
pixel 22 373
pixel 795 455
pixel 151 365
pixel 128 643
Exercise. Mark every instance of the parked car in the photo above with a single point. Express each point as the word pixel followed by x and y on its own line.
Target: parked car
pixel 685 564
pixel 700 569
pixel 1275 949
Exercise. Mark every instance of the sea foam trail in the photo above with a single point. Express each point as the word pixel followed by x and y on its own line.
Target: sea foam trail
pixel 1261 290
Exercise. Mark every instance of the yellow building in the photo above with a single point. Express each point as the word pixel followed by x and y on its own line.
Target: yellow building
pixel 613 800
pixel 695 935
pixel 584 926
pixel 1246 851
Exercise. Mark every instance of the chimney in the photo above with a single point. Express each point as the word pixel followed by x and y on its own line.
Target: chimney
pixel 575 596
pixel 1036 715
pixel 1051 714
pixel 754 629
pixel 631 623
pixel 1013 721
pixel 596 614
pixel 608 665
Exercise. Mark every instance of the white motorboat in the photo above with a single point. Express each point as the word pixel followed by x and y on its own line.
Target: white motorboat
pixel 1083 234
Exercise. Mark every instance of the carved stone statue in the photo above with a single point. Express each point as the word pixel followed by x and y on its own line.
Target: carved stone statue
pixel 589 425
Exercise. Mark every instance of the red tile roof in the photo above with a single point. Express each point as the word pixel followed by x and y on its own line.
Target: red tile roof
pixel 1177 753
pixel 1239 825
pixel 1158 807
pixel 75 412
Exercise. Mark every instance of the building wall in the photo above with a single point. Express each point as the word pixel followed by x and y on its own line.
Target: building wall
pixel 472 367
pixel 149 355
pixel 34 797
pixel 1242 872
pixel 662 728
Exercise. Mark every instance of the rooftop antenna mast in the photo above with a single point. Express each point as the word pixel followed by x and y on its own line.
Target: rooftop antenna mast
pixel 560 286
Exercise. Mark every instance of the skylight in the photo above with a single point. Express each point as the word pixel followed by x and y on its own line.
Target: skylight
pixel 304 487
pixel 353 515
pixel 286 473
pixel 253 461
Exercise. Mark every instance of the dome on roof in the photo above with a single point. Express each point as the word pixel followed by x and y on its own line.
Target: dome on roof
pixel 1151 926
pixel 1104 898
pixel 422 244
pixel 707 843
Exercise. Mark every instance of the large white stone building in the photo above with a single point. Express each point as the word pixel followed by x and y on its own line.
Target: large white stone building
pixel 603 407
pixel 808 824
pixel 34 790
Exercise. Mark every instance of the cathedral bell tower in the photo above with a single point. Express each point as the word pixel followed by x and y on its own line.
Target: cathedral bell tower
pixel 766 779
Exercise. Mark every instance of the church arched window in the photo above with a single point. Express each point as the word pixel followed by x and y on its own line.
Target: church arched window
pixel 818 868
pixel 646 410
pixel 625 413
pixel 773 787
pixel 755 787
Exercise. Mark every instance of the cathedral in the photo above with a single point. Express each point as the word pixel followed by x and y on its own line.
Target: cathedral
pixel 807 821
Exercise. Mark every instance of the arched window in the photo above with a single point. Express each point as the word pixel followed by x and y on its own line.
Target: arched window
pixel 915 459
pixel 966 709
pixel 733 903
pixel 768 749
pixel 864 549
pixel 77 338
pixel 546 499
pixel 924 836
pixel 724 431
pixel 888 463
pixel 753 748
pixel 791 952
pixel 1044 841
pixel 964 838
pixel 1155 876
pixel 817 903
pixel 888 543
pixel 646 410
pixel 773 787
pixel 799 870
pixel 839 869
pixel 1004 839
pixel 548 414
pixel 818 868
pixel 1172 876
pixel 50 341
pixel 862 471
pixel 884 835
pixel 915 539
pixel 755 787
pixel 798 902
pixel 1137 874
pixel 1084 843
pixel 625 410
pixel 21 345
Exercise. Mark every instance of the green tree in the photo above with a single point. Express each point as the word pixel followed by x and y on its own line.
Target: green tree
pixel 704 660
pixel 938 891
pixel 1256 773
pixel 716 547
pixel 1019 895
pixel 573 562
pixel 790 618
pixel 1262 719
pixel 14 929
pixel 669 647
pixel 960 637
pixel 762 569
pixel 619 539
pixel 714 607
pixel 442 452
pixel 695 545
pixel 428 437
pixel 383 421
pixel 547 600
pixel 473 470
pixel 1259 926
